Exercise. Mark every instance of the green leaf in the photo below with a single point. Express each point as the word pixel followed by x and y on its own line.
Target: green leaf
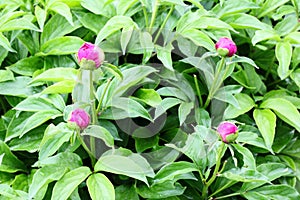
pixel 283 52
pixel 149 96
pixel 91 21
pixel 126 191
pixel 131 107
pixel 268 172
pixel 173 171
pixel 241 59
pixel 18 24
pixel 40 15
pixel 266 123
pixel 29 142
pixel 56 74
pixel 9 162
pixel 99 7
pixel 269 6
pixel 56 27
pixel 244 21
pixel 272 192
pixel 62 87
pixel 61 46
pixel 248 158
pixel 184 110
pixel 114 24
pixel 123 161
pixel 113 70
pixel 160 191
pixel 99 182
pixel 63 159
pixel 5 43
pixel 231 7
pixel 245 102
pixel 261 35
pixel 20 87
pixel 199 38
pixel 43 177
pixel 27 66
pixel 142 144
pixel 285 110
pixel 6 75
pixel 164 55
pixel 69 182
pixel 100 133
pixel 62 9
pixel 225 94
pixel 27 121
pixel 34 104
pixel 252 139
pixel 54 137
pixel 293 38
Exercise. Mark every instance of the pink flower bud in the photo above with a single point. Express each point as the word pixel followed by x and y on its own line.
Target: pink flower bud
pixel 226 47
pixel 80 117
pixel 91 52
pixel 228 131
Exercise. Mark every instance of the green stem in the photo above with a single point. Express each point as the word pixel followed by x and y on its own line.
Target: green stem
pixel 230 183
pixel 226 196
pixel 198 90
pixel 94 117
pixel 163 24
pixel 215 173
pixel 154 14
pixel 102 97
pixel 215 85
pixel 145 16
pixel 92 156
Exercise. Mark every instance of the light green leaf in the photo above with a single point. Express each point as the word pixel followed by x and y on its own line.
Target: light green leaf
pixel 173 171
pixel 199 38
pixel 248 158
pixel 149 96
pixel 246 103
pixel 41 15
pixel 69 182
pixel 6 75
pixel 56 74
pixel 293 38
pixel 43 177
pixel 266 123
pixel 114 24
pixel 54 137
pixel 18 24
pixel 131 107
pixel 61 46
pixel 123 161
pixel 244 21
pixel 283 52
pixel 100 133
pixel 62 87
pixel 261 35
pixel 272 192
pixel 27 66
pixel 184 110
pixel 269 6
pixel 285 110
pixel 34 104
pixel 164 55
pixel 62 9
pixel 5 43
pixel 99 182
pixel 99 7
pixel 19 85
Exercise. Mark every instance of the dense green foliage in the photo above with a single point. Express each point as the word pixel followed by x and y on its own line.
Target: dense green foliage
pixel 160 96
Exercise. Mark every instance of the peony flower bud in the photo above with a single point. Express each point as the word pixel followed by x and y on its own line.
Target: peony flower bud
pixel 228 131
pixel 90 53
pixel 226 47
pixel 80 117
